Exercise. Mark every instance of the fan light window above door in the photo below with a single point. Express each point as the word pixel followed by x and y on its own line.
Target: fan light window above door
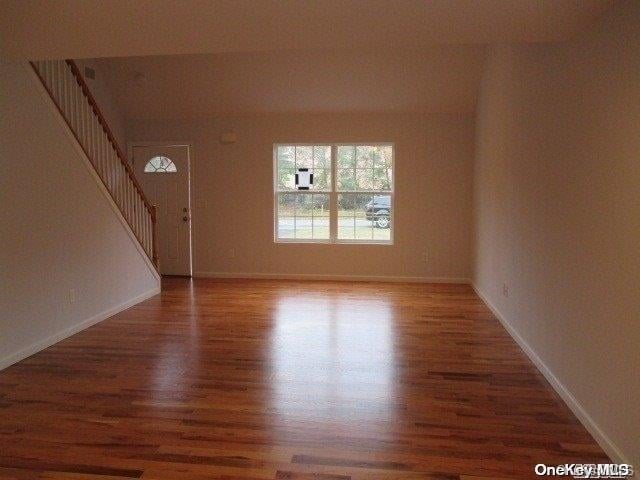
pixel 159 164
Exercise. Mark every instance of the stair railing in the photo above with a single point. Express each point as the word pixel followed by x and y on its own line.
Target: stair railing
pixel 71 95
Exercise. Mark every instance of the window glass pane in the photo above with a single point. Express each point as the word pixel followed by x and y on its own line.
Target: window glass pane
pixel 352 221
pixel 364 179
pixel 382 177
pixel 378 213
pixel 287 204
pixel 382 234
pixel 321 179
pixel 365 156
pixel 346 205
pixel 286 227
pixel 160 164
pixel 304 204
pixel 303 215
pixel 364 217
pixel 386 156
pixel 286 215
pixel 320 216
pixel 322 156
pixel 346 230
pixel 304 157
pixel 286 179
pixel 364 229
pixel 346 216
pixel 363 225
pixel 304 227
pixel 346 179
pixel 371 168
pixel 286 157
pixel 346 157
pixel 321 228
pixel 320 205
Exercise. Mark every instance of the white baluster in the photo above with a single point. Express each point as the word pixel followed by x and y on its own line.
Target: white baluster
pixel 90 137
pixel 51 74
pixel 100 136
pixel 95 142
pixel 77 100
pixel 107 163
pixel 72 102
pixel 55 88
pixel 97 145
pixel 42 68
pixel 140 214
pixel 105 156
pixel 120 180
pixel 147 233
pixel 65 92
pixel 129 200
pixel 82 133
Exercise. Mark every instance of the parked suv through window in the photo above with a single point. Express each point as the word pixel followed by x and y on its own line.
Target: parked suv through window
pixel 378 211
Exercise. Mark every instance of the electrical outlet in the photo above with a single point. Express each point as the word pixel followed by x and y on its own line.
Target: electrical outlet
pixel 232 253
pixel 72 295
pixel 425 257
pixel 505 290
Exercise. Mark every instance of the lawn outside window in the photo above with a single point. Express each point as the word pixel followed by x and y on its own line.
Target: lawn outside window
pixel 350 199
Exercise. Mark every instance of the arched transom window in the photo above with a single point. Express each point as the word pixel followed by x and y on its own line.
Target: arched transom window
pixel 160 164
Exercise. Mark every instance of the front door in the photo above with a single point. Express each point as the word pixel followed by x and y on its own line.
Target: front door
pixel 163 173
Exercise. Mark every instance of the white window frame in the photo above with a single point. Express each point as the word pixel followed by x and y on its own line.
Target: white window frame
pixel 333 195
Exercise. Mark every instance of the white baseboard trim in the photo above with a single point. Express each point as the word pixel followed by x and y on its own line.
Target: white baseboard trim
pixel 576 407
pixel 67 332
pixel 344 278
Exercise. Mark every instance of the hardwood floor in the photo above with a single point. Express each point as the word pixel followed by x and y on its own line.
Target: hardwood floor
pixel 287 380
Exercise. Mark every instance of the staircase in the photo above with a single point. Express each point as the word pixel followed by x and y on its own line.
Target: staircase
pixel 68 90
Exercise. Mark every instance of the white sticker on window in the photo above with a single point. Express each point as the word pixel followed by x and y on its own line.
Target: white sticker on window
pixel 304 179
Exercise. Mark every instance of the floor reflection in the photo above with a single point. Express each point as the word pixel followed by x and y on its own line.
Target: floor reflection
pixel 177 343
pixel 332 358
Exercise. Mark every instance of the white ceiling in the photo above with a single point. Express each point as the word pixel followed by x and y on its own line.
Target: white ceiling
pixel 37 29
pixel 442 79
pixel 200 58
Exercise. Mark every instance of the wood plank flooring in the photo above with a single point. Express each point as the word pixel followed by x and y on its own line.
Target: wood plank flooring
pixel 248 379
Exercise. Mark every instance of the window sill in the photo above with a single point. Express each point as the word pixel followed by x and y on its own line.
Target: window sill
pixel 331 242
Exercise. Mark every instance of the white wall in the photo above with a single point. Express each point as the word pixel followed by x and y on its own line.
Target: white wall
pixel 441 79
pixel 58 230
pixel 233 191
pixel 557 215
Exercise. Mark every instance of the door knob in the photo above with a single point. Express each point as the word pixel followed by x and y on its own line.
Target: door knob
pixel 185 219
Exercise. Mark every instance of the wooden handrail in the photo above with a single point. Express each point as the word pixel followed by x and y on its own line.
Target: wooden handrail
pixel 112 139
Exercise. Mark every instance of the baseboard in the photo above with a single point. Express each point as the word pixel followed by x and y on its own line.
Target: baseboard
pixel 344 278
pixel 67 332
pixel 610 448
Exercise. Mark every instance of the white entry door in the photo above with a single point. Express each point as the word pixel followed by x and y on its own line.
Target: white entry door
pixel 163 173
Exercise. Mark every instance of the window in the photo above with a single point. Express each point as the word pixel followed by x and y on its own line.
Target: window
pixel 160 165
pixel 334 193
